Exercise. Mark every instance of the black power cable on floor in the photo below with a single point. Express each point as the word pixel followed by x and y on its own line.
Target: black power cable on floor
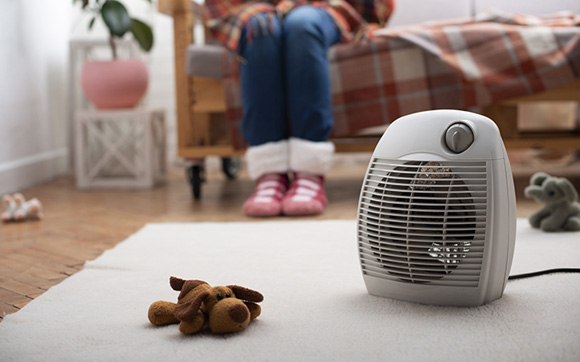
pixel 542 272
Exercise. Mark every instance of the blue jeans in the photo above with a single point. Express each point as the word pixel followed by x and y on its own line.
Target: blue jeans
pixel 286 82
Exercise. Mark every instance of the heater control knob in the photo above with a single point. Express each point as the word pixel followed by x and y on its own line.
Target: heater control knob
pixel 458 137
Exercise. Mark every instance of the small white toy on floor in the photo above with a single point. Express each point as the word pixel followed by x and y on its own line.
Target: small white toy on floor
pixel 18 209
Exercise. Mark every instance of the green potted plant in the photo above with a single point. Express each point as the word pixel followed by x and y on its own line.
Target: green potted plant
pixel 116 83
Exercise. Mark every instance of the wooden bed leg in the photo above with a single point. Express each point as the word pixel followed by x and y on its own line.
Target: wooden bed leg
pixel 183 22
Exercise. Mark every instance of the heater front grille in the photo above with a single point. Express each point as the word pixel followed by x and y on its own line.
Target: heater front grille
pixel 424 222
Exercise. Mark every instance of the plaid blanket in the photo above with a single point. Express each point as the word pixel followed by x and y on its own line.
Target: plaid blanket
pixel 458 64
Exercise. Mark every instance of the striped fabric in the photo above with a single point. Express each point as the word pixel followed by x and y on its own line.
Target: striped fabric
pixel 458 64
pixel 267 198
pixel 305 197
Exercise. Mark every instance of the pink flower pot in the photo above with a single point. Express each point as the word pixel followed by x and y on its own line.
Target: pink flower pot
pixel 119 83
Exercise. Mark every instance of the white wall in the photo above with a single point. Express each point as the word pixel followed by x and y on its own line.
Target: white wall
pixel 161 92
pixel 408 12
pixel 534 7
pixel 33 113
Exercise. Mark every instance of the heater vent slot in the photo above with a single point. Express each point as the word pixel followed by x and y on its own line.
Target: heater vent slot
pixel 424 222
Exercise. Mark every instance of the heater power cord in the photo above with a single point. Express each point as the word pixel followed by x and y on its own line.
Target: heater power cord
pixel 543 272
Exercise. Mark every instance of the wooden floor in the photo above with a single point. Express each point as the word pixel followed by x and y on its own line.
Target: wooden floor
pixel 79 225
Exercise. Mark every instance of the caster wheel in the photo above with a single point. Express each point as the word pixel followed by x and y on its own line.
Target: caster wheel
pixel 231 166
pixel 196 175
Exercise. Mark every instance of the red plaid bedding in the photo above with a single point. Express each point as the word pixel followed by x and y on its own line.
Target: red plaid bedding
pixel 457 64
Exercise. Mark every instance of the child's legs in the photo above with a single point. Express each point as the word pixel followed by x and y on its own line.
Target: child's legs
pixel 309 32
pixel 262 84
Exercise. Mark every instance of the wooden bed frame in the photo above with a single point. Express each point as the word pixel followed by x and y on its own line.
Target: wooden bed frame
pixel 202 126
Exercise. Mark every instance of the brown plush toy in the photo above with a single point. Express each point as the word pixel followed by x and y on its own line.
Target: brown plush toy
pixel 225 309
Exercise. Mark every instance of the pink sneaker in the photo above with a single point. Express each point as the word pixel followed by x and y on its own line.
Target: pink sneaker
pixel 267 198
pixel 306 196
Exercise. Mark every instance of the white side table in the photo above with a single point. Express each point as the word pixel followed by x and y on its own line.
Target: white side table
pixel 119 148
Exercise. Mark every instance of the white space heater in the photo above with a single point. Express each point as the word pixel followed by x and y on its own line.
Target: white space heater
pixel 436 216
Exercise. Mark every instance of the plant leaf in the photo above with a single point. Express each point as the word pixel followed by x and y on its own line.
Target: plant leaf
pixel 116 17
pixel 142 33
pixel 92 22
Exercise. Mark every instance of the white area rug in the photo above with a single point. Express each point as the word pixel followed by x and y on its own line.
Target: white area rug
pixel 316 306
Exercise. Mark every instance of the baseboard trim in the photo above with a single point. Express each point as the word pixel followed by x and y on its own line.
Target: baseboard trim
pixel 28 171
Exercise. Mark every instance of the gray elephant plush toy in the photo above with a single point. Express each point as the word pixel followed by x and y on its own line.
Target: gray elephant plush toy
pixel 561 211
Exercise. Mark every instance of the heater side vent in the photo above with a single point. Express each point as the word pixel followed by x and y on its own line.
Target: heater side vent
pixel 424 222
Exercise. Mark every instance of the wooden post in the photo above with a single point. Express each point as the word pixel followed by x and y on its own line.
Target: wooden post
pixel 183 22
